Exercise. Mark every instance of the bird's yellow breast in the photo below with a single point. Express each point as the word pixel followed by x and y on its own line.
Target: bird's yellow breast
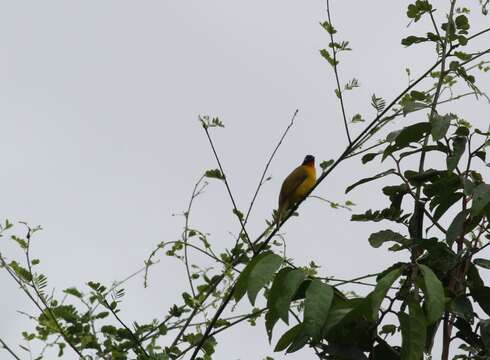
pixel 306 185
pixel 295 187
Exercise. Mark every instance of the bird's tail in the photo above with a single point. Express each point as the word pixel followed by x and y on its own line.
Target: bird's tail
pixel 279 214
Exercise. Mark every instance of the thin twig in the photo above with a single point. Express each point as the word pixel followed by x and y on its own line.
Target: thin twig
pixel 225 179
pixel 333 204
pixel 131 333
pixel 215 318
pixel 116 284
pixel 210 290
pixel 478 34
pixel 261 181
pixel 239 320
pixel 185 236
pixel 43 301
pixel 339 90
pixel 343 282
pixel 4 345
pixel 475 57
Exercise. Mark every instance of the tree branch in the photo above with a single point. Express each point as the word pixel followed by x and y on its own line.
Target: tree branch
pixel 227 185
pixel 339 90
pixel 4 345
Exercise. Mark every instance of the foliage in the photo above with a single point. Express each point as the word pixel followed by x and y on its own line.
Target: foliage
pixel 439 217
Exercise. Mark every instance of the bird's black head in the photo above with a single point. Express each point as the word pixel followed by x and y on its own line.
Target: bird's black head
pixel 309 160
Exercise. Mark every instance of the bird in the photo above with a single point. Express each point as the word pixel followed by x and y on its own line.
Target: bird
pixel 296 185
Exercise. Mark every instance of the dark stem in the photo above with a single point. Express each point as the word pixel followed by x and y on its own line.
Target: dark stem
pixel 4 345
pixel 43 301
pixel 446 337
pixel 233 323
pixel 228 187
pixel 216 316
pixel 339 90
pixel 133 336
pixel 196 310
pixel 185 238
pixel 419 207
pixel 261 181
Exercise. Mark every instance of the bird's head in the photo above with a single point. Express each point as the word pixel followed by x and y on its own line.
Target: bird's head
pixel 309 160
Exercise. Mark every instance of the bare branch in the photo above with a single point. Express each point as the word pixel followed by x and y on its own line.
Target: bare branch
pixel 4 345
pixel 225 179
pixel 335 63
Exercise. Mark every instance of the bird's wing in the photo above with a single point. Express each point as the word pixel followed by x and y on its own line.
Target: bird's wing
pixel 292 182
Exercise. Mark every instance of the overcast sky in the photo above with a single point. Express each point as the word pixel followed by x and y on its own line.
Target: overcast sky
pixel 100 142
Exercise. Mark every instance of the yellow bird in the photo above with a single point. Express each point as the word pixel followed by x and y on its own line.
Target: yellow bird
pixel 296 186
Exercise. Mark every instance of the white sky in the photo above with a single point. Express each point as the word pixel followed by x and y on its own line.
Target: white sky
pixel 101 145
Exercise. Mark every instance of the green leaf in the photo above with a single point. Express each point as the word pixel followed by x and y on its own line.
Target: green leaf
pixel 214 174
pixel 357 118
pixel 242 282
pixel 413 106
pixel 378 238
pixel 388 329
pixel 238 214
pixel 66 312
pixel 365 180
pixel 328 27
pixel 261 274
pixel 383 351
pixel 299 342
pixel 462 23
pixel 434 293
pixel 419 8
pixel 206 122
pixel 485 333
pixel 368 157
pixel 462 55
pixel 482 296
pixel 378 103
pixel 379 292
pixel 288 337
pixel 22 243
pixel 392 135
pixel 440 125
pixel 324 165
pixel 445 202
pixel 481 198
pixel 285 285
pixel 414 329
pixel 326 55
pixel 412 133
pixel 271 319
pixel 318 300
pixel 455 230
pixel 462 130
pixel 459 145
pixel 410 40
pixel 336 314
pixel 418 95
pixel 73 291
pixel 473 278
pixel 461 306
pixel 484 263
pixel 21 272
